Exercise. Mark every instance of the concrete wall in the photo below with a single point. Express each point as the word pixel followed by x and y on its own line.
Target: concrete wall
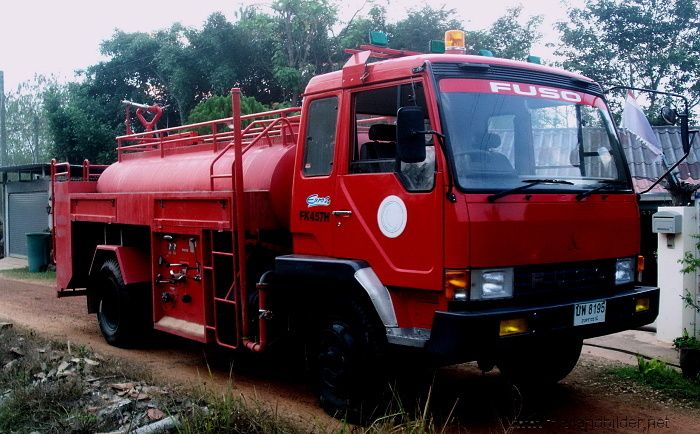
pixel 674 317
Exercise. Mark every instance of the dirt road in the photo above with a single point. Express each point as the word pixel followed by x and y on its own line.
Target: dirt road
pixel 584 402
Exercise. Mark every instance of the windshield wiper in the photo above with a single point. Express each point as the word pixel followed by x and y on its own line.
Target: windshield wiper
pixel 606 183
pixel 529 183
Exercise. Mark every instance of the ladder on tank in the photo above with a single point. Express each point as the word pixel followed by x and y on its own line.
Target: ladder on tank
pixel 232 298
pixel 229 284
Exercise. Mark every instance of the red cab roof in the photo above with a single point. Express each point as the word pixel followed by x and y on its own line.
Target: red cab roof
pixel 397 68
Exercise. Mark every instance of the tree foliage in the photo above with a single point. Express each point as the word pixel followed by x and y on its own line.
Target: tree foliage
pixel 508 37
pixel 219 107
pixel 304 47
pixel 420 26
pixel 356 31
pixel 77 122
pixel 271 56
pixel 641 43
pixel 28 134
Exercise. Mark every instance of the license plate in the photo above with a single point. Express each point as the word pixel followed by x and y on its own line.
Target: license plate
pixel 589 313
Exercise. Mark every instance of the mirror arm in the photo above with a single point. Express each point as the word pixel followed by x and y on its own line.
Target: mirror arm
pixel 642 89
pixel 668 173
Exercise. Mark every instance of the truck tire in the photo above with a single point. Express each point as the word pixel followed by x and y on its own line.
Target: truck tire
pixel 117 314
pixel 351 372
pixel 542 364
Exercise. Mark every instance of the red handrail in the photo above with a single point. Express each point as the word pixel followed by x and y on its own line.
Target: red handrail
pixel 186 135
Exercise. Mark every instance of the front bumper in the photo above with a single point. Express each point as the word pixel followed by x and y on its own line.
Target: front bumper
pixel 474 334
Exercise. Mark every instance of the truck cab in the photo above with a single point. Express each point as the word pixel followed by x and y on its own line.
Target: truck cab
pixel 515 230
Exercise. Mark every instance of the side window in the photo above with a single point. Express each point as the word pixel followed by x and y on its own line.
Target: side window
pixel 373 138
pixel 319 145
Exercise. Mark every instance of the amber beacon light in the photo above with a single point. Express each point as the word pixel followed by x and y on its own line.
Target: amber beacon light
pixel 455 42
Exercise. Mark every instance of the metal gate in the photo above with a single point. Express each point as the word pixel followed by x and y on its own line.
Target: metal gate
pixel 26 212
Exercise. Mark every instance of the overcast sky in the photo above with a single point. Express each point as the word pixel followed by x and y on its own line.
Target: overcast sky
pixel 60 36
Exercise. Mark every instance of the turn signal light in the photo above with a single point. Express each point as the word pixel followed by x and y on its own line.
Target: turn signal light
pixel 512 326
pixel 456 284
pixel 640 267
pixel 642 305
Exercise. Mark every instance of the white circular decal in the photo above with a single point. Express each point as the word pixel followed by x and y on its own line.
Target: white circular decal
pixel 392 216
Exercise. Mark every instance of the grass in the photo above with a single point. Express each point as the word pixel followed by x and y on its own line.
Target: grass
pixel 61 404
pixel 659 376
pixel 32 399
pixel 25 274
pixel 56 406
pixel 233 414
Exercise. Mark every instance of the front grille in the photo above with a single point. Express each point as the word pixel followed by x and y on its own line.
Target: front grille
pixel 507 73
pixel 565 279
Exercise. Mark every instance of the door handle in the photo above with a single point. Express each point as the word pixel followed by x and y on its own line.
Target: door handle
pixel 342 213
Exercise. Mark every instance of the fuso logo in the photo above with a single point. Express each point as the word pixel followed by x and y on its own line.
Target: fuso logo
pixel 536 91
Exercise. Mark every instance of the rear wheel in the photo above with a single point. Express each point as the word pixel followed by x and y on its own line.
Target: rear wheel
pixel 121 311
pixel 351 371
pixel 542 363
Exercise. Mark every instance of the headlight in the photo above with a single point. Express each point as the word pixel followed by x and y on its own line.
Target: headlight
pixel 491 284
pixel 624 271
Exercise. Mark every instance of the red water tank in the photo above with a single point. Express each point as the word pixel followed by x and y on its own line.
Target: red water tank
pixel 267 177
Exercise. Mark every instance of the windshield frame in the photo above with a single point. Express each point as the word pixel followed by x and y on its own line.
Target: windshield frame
pixel 580 184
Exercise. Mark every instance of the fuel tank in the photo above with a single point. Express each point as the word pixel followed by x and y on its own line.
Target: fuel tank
pixel 267 178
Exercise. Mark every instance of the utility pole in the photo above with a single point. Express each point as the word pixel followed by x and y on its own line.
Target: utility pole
pixel 3 127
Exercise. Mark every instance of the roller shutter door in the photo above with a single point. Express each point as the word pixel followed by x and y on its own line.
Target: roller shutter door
pixel 26 212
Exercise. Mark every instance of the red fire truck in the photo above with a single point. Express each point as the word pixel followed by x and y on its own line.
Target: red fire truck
pixel 464 207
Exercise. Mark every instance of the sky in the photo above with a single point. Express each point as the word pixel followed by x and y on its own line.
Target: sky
pixel 59 36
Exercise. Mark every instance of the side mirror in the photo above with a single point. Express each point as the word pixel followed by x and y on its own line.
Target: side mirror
pixel 410 137
pixel 669 115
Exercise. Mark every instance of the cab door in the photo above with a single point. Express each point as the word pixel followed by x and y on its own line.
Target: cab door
pixel 311 221
pixel 385 212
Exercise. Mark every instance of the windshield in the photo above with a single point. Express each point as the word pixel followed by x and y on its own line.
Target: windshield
pixel 502 134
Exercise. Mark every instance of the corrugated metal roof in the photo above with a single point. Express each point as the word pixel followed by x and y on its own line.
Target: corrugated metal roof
pixel 645 169
pixel 641 162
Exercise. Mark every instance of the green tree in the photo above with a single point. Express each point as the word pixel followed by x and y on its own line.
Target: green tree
pixel 356 31
pixel 151 68
pixel 229 54
pixel 219 107
pixel 641 43
pixel 29 138
pixel 304 45
pixel 79 123
pixel 420 26
pixel 507 37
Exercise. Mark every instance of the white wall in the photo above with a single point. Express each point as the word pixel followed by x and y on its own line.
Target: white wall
pixel 673 315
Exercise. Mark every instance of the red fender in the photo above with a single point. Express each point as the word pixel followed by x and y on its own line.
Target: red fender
pixel 133 263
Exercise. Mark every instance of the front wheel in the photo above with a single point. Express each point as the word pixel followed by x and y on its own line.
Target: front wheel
pixel 351 371
pixel 542 363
